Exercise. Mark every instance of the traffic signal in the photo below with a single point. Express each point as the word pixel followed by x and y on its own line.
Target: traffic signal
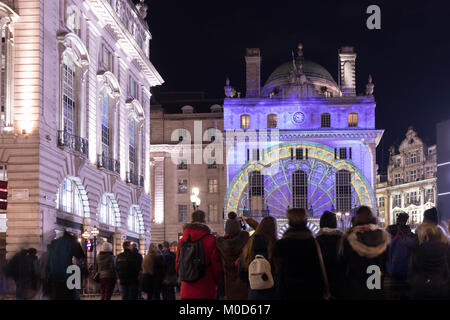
pixel 3 195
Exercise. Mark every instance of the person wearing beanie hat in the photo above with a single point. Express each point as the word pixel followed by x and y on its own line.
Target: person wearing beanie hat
pixel 230 247
pixel 329 238
pixel 106 269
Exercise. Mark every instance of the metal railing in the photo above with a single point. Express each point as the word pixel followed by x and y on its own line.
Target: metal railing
pixel 108 163
pixel 255 213
pixel 66 139
pixel 135 179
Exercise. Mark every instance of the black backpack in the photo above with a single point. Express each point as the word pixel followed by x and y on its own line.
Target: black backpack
pixel 191 261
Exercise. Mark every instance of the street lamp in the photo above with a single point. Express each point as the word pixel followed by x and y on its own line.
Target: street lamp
pixel 339 218
pixel 95 233
pixel 195 199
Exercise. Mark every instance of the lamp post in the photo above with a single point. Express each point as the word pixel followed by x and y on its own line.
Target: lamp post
pixel 339 218
pixel 95 233
pixel 195 199
pixel 347 217
pixel 85 235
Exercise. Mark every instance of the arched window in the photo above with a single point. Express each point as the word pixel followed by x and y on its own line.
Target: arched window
pixel 299 189
pixel 325 120
pixel 353 119
pixel 135 221
pixel 245 121
pixel 69 198
pixel 107 118
pixel 256 190
pixel 272 121
pixel 343 191
pixel 108 210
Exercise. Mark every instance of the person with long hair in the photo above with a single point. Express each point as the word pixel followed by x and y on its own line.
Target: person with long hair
pixel 260 243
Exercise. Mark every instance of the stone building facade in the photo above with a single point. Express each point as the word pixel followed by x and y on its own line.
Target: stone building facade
pixel 410 184
pixel 178 167
pixel 75 126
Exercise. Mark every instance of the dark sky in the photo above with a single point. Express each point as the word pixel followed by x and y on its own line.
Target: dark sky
pixel 197 44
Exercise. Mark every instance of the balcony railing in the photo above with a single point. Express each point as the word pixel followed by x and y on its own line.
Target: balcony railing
pixel 108 163
pixel 182 166
pixel 66 139
pixel 255 213
pixel 212 165
pixel 135 179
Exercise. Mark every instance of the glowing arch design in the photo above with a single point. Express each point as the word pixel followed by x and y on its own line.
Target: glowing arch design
pixel 311 226
pixel 318 155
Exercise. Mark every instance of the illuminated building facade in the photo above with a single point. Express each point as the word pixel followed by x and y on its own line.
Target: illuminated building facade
pixel 301 140
pixel 410 185
pixel 75 120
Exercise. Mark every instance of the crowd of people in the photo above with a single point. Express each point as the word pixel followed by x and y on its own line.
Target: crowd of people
pixel 364 262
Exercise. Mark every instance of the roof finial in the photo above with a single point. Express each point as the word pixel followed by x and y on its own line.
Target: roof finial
pixel 369 86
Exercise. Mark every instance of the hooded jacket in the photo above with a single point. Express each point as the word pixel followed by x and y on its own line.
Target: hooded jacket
pixel 230 249
pixel 206 287
pixel 364 246
pixel 299 274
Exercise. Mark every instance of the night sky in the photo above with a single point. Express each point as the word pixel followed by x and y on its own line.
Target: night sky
pixel 197 44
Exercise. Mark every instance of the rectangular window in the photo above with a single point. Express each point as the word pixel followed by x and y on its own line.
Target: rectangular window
pixel 245 121
pixel 134 89
pixel 397 200
pixel 212 212
pixel 182 213
pixel 107 59
pixel 343 153
pixel 325 120
pixel 397 178
pixel 182 186
pixel 353 119
pixel 413 158
pixel 413 175
pixel 68 97
pixel 131 145
pixel 213 186
pixel 299 154
pixel 381 202
pixel 182 165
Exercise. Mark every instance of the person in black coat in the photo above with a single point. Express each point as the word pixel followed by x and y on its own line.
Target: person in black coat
pixel 296 255
pixel 329 238
pixel 364 246
pixel 429 276
pixel 128 266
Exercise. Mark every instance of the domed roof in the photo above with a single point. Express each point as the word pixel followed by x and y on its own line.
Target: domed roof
pixel 310 69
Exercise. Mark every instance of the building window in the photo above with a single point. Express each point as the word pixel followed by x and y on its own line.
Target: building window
pixel 381 202
pixel 342 153
pixel 245 121
pixel 182 186
pixel 132 144
pixel 412 175
pixel 68 198
pixel 299 155
pixel 135 220
pixel 182 213
pixel 343 191
pixel 213 186
pixel 107 211
pixel 106 123
pixel 430 195
pixel 3 172
pixel 325 120
pixel 299 189
pixel 134 90
pixel 212 212
pixel 212 164
pixel 256 190
pixel 107 59
pixel 6 66
pixel 272 121
pixel 397 200
pixel 182 165
pixel 68 90
pixel 413 158
pixel 397 178
pixel 353 119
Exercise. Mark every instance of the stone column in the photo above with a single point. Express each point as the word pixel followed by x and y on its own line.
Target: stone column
pixel 159 214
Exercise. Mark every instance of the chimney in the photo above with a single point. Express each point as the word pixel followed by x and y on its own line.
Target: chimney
pixel 347 80
pixel 253 72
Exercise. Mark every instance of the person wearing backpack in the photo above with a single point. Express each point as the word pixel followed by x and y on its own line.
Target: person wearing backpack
pixel 300 270
pixel 198 262
pixel 128 266
pixel 401 246
pixel 255 266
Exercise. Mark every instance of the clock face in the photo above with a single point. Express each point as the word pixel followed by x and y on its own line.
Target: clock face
pixel 298 117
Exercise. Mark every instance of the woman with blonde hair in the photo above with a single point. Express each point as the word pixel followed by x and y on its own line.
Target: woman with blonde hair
pixel 260 243
pixel 152 273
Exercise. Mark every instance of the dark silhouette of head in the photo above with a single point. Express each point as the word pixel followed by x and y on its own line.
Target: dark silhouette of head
pixel 126 245
pixel 328 220
pixel 297 216
pixel 364 216
pixel 431 215
pixel 198 216
pixel 402 218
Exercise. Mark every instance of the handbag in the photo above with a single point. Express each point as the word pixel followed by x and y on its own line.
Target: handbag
pixel 326 290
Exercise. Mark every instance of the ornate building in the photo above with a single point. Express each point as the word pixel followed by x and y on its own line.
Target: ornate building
pixel 410 185
pixel 303 140
pixel 173 181
pixel 75 120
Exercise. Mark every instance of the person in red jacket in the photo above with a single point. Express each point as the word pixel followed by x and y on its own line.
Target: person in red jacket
pixel 206 287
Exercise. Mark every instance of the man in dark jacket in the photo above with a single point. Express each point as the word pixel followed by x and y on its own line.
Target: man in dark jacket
pixel 205 287
pixel 402 244
pixel 128 266
pixel 329 238
pixel 170 275
pixel 20 268
pixel 60 257
pixel 299 273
